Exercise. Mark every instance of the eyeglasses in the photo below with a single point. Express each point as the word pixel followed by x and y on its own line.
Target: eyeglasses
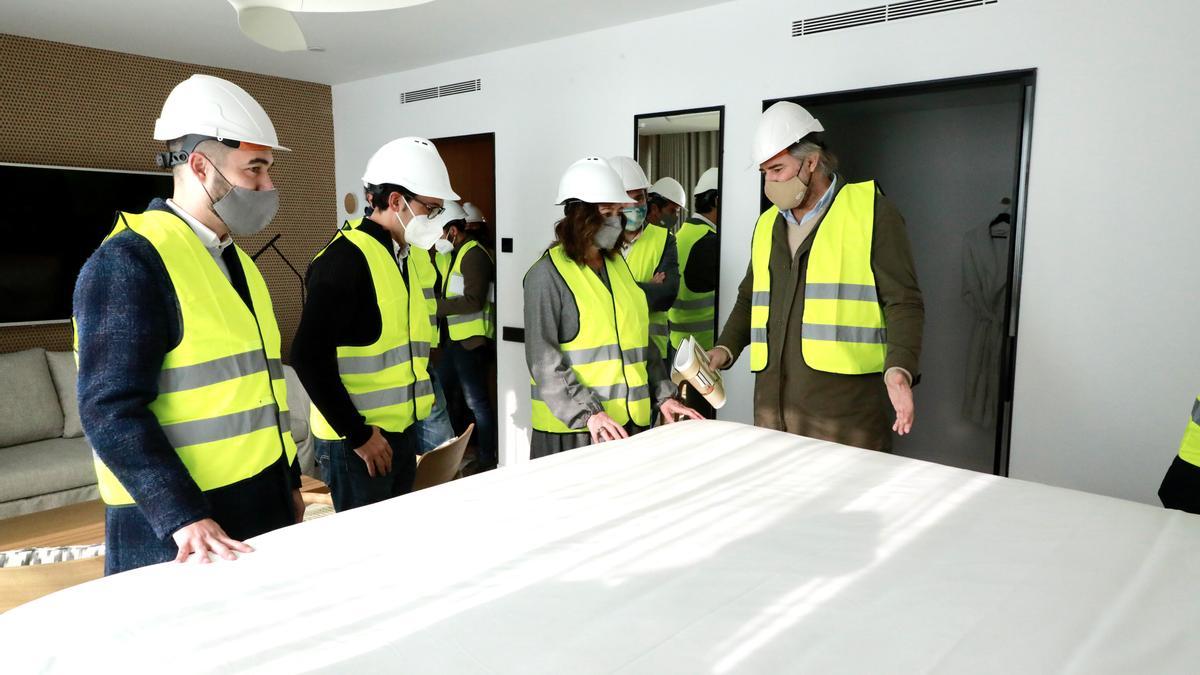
pixel 433 210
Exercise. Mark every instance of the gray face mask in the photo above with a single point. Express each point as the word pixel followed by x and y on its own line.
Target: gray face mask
pixel 243 211
pixel 669 220
pixel 606 237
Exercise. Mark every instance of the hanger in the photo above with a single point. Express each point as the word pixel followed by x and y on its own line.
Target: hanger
pixel 999 226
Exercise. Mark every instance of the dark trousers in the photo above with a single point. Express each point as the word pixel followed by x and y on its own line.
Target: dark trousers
pixel 1181 487
pixel 466 370
pixel 346 474
pixel 244 509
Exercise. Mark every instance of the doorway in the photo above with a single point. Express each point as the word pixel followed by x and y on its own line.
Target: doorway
pixel 952 155
pixel 471 163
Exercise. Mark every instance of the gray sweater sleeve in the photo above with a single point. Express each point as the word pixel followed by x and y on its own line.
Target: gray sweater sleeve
pixel 551 318
pixel 662 296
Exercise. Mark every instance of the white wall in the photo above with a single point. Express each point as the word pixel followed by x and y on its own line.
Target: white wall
pixel 1107 366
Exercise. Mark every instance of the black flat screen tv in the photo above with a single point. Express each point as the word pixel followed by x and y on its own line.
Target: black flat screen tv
pixel 51 220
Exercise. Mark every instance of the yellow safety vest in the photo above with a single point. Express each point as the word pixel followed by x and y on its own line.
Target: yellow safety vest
pixel 481 323
pixel 644 257
pixel 1189 449
pixel 426 277
pixel 222 397
pixel 693 313
pixel 388 380
pixel 608 355
pixel 843 325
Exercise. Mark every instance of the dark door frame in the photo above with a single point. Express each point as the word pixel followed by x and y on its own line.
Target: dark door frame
pixel 1027 78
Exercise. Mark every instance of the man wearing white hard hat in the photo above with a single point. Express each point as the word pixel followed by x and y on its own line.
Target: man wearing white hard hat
pixel 435 429
pixel 587 325
pixel 466 312
pixel 666 200
pixel 478 225
pixel 181 389
pixel 694 312
pixel 362 348
pixel 649 250
pixel 830 305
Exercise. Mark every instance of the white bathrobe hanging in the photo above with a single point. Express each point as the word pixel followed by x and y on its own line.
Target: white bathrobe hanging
pixel 984 284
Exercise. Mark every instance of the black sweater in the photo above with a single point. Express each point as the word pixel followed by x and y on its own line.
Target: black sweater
pixel 340 310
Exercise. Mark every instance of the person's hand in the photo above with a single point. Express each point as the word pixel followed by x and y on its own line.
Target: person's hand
pixel 604 428
pixel 900 391
pixel 718 358
pixel 298 505
pixel 658 278
pixel 376 453
pixel 203 537
pixel 671 409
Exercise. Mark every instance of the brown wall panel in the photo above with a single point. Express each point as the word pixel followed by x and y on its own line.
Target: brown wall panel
pixel 65 105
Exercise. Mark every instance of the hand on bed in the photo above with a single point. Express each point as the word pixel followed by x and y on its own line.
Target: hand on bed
pixel 672 410
pixel 604 428
pixel 900 391
pixel 206 536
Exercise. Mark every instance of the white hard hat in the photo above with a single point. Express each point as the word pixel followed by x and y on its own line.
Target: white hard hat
pixel 451 211
pixel 592 180
pixel 474 213
pixel 709 180
pixel 780 126
pixel 630 172
pixel 203 105
pixel 670 189
pixel 412 163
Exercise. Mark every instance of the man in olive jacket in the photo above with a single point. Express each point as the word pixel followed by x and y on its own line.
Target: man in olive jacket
pixel 830 373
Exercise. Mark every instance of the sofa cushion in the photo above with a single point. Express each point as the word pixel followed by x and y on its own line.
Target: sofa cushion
pixel 45 466
pixel 29 407
pixel 62 371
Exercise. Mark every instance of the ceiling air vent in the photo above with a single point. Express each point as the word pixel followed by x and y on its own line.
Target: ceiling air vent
pixel 438 92
pixel 893 11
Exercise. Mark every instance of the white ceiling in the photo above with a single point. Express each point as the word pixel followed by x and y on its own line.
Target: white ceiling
pixel 357 45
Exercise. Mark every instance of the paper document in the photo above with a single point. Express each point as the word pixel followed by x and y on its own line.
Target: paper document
pixel 691 366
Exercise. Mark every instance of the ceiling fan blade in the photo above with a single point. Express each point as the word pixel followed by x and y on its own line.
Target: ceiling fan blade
pixel 353 5
pixel 272 28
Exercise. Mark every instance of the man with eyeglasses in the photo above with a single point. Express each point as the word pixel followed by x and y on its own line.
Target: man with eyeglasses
pixel 362 347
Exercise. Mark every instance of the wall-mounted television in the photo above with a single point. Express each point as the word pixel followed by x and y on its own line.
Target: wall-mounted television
pixel 51 219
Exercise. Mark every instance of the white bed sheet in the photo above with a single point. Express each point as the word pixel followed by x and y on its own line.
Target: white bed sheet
pixel 707 547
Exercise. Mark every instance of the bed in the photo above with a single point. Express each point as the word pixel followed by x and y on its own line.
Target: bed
pixel 703 547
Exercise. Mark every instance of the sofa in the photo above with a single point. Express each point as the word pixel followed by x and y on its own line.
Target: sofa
pixel 45 460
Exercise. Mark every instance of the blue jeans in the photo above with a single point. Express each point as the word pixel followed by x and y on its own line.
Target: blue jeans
pixel 467 368
pixel 435 429
pixel 346 473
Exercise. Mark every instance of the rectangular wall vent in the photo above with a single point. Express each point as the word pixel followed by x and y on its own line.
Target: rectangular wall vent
pixel 443 90
pixel 892 11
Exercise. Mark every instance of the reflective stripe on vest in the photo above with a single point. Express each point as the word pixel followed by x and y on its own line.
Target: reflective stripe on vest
pixel 843 327
pixel 388 380
pixel 1189 449
pixel 692 313
pixel 426 276
pixel 645 255
pixel 481 323
pixel 222 398
pixel 609 354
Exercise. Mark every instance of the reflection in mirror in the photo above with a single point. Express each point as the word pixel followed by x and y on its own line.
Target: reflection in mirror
pixel 681 155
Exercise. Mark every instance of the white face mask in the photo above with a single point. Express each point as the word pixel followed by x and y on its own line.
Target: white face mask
pixel 443 246
pixel 419 231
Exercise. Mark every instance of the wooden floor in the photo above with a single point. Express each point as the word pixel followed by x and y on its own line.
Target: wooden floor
pixel 72 525
pixel 80 524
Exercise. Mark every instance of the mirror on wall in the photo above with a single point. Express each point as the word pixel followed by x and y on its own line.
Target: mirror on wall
pixel 680 151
